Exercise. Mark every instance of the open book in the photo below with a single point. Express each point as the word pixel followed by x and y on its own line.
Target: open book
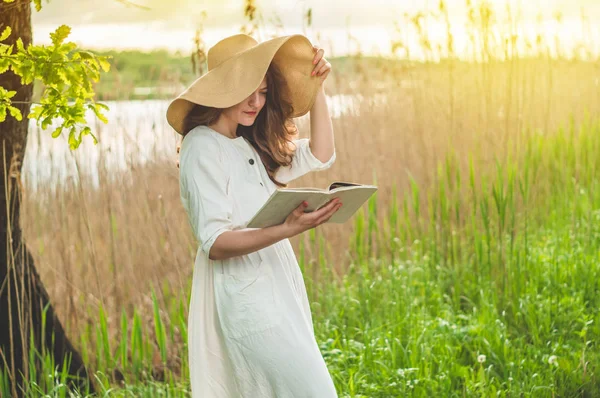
pixel 284 200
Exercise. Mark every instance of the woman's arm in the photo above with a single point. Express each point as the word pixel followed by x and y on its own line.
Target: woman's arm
pixel 244 241
pixel 321 129
pixel 239 242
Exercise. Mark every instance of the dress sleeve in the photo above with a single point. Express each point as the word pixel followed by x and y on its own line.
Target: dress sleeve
pixel 204 176
pixel 303 162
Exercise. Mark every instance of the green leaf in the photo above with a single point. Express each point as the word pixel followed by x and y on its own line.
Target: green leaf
pixel 20 46
pixel 47 121
pixel 86 55
pixel 96 109
pixel 5 49
pixel 5 95
pixel 104 64
pixel 4 64
pixel 60 34
pixel 70 46
pixel 56 133
pixel 15 112
pixel 38 5
pixel 72 139
pixel 61 73
pixel 36 111
pixel 2 113
pixel 5 33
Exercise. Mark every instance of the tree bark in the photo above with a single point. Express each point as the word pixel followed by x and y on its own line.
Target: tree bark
pixel 22 294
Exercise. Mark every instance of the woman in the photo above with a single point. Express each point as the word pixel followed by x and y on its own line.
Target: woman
pixel 250 328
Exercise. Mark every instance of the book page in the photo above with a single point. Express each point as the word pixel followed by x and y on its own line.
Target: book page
pixel 352 199
pixel 302 190
pixel 338 184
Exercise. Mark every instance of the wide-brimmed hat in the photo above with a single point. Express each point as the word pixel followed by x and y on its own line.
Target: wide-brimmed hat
pixel 237 66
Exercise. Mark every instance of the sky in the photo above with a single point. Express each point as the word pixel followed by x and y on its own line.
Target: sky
pixel 171 24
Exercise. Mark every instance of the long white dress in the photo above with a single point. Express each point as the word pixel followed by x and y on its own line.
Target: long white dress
pixel 250 329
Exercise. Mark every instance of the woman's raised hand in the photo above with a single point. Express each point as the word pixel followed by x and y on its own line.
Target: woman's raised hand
pixel 298 221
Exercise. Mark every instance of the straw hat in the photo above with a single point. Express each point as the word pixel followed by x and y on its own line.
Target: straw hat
pixel 237 66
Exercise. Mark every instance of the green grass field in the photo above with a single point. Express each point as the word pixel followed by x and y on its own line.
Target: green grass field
pixel 474 271
pixel 491 290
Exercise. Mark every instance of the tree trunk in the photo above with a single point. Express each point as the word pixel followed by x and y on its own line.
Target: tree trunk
pixel 22 294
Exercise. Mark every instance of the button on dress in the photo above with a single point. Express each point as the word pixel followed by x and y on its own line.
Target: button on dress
pixel 250 329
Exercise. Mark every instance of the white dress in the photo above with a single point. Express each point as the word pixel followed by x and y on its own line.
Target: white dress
pixel 250 330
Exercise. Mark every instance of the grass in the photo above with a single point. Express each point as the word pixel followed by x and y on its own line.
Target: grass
pixel 503 303
pixel 493 296
pixel 472 272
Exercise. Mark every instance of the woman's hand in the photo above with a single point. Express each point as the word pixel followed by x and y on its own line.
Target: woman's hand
pixel 298 221
pixel 322 66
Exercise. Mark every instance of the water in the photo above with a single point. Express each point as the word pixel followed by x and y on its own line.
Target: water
pixel 137 132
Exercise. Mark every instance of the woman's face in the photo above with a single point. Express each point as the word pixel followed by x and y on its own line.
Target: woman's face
pixel 254 103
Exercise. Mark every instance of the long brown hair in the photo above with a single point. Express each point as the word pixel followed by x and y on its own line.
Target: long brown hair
pixel 272 131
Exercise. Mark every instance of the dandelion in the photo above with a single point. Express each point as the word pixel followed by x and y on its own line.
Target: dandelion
pixel 553 360
pixel 481 358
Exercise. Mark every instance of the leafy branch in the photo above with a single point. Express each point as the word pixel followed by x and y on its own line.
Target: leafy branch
pixel 37 3
pixel 67 74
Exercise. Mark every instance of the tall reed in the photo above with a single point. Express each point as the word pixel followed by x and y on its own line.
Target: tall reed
pixel 480 166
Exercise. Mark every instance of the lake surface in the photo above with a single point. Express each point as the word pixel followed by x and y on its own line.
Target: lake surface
pixel 137 132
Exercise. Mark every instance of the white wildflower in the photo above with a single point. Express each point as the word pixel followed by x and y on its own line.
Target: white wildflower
pixel 553 360
pixel 481 358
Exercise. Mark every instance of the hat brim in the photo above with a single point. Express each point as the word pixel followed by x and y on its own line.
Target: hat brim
pixel 235 79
